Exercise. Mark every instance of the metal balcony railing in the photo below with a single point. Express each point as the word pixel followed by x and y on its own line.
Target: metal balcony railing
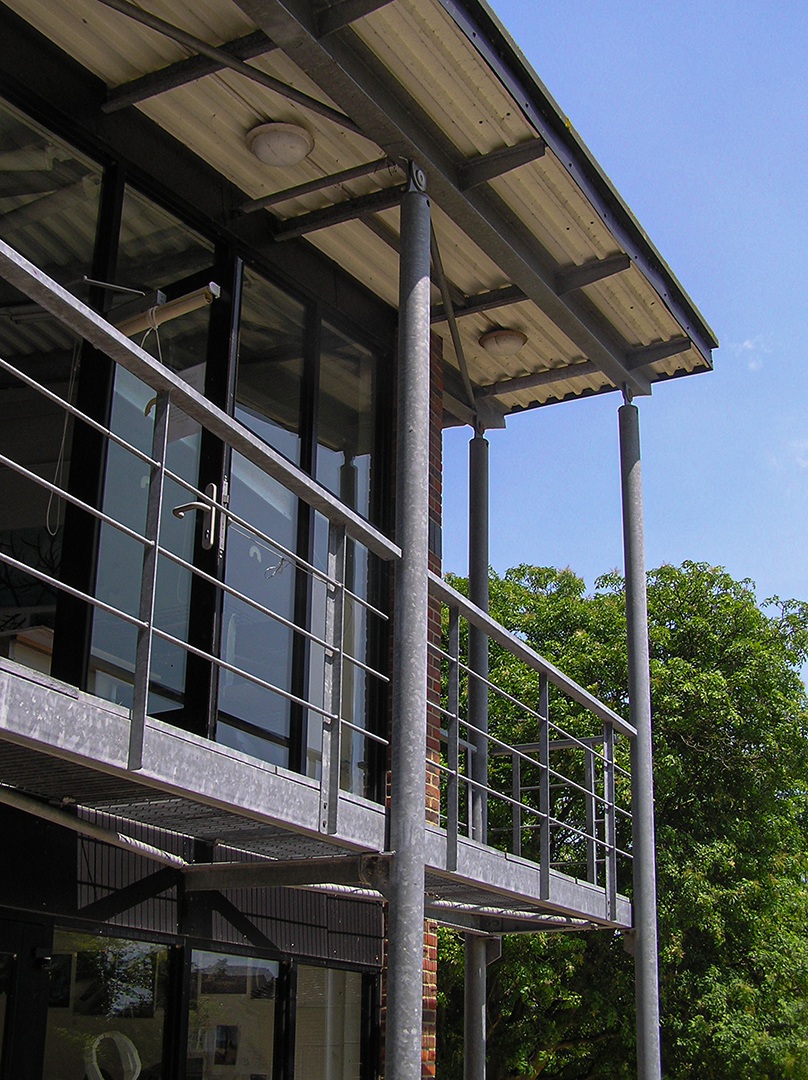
pixel 174 402
pixel 561 798
pixel 558 797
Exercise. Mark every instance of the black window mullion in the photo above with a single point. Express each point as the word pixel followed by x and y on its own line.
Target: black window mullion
pixel 74 618
pixel 309 400
pixel 205 606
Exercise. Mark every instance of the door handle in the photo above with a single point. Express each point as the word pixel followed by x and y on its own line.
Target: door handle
pixel 208 510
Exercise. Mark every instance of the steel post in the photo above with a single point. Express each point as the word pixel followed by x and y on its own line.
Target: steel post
pixel 475 974
pixel 408 749
pixel 474 1008
pixel 478 641
pixel 642 791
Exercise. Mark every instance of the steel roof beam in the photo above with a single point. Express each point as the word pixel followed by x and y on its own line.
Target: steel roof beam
pixel 160 26
pixel 320 184
pixel 345 70
pixel 184 71
pixel 488 301
pixel 575 277
pixel 538 378
pixel 660 350
pixel 339 212
pixel 487 166
pixel 344 13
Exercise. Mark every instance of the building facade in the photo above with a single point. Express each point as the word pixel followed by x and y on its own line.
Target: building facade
pixel 254 257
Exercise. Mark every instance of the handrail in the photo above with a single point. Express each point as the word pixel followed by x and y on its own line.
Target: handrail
pixel 444 592
pixel 85 322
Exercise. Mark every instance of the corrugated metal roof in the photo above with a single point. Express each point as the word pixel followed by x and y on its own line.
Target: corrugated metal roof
pixel 454 89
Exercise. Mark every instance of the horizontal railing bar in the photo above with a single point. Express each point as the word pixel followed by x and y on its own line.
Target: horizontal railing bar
pixel 62 403
pixel 40 576
pixel 242 674
pixel 276 616
pixel 225 588
pixel 367 734
pixel 534 748
pixel 85 322
pixel 356 662
pixel 251 531
pixel 62 494
pixel 442 591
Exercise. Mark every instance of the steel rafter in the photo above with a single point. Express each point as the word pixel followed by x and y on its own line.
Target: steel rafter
pixel 348 72
pixel 183 72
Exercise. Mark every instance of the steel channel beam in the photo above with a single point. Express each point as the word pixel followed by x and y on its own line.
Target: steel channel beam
pixel 408 744
pixel 345 71
pixel 175 33
pixel 642 788
pixel 183 72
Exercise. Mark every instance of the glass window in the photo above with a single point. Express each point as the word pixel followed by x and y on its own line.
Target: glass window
pixel 157 251
pixel 106 1008
pixel 49 196
pixel 270 364
pixel 328 1025
pixel 231 1019
pixel 346 421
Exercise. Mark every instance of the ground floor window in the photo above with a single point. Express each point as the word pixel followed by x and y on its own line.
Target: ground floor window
pixel 123 1009
pixel 106 1008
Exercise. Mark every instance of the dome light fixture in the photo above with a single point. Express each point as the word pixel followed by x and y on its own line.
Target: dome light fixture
pixel 280 145
pixel 502 341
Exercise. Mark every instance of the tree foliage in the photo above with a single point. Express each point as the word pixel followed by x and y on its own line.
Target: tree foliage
pixel 731 764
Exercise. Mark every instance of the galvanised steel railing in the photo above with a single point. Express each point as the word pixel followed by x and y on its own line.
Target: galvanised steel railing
pixel 561 787
pixel 174 399
pixel 561 799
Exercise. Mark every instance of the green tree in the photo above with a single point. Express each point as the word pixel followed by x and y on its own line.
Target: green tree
pixel 731 764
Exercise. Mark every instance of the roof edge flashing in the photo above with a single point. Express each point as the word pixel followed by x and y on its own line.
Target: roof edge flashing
pixel 495 45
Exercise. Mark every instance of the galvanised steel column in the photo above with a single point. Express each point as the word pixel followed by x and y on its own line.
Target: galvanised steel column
pixel 408 750
pixel 475 964
pixel 642 789
pixel 478 641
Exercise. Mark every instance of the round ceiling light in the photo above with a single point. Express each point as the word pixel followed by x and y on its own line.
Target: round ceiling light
pixel 280 144
pixel 502 341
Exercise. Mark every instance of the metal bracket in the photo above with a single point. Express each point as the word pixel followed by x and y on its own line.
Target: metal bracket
pixel 416 177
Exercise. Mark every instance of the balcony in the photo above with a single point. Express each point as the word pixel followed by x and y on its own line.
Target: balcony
pixel 557 792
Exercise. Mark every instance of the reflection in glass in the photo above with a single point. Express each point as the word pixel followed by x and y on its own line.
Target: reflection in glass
pixel 48 208
pixel 252 718
pixel 328 1027
pixel 346 431
pixel 107 1001
pixel 231 1019
pixel 156 251
pixel 270 365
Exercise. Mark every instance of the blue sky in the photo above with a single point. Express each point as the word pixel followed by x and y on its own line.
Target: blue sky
pixel 699 114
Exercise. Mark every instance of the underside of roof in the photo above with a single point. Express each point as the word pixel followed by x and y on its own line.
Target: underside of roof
pixel 529 234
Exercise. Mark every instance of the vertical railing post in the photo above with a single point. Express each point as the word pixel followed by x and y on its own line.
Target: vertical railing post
pixel 609 821
pixel 408 741
pixel 545 845
pixel 332 682
pixel 591 816
pixel 148 583
pixel 516 795
pixel 649 1064
pixel 453 739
